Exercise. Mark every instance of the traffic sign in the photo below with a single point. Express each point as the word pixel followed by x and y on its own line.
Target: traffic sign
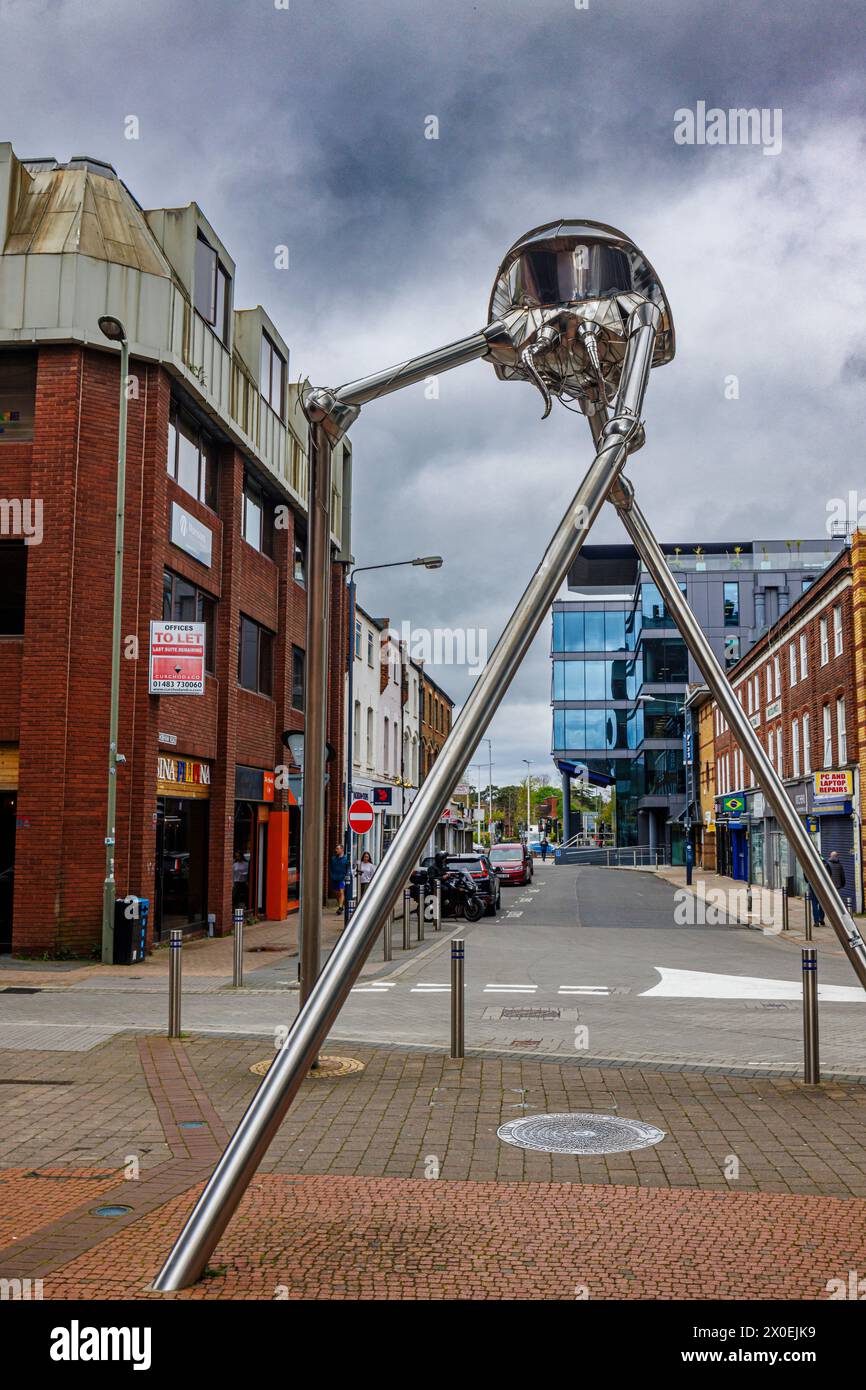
pixel 360 817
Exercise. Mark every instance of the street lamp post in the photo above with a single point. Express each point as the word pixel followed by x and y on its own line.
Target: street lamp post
pixel 528 762
pixel 427 562
pixel 113 329
pixel 489 743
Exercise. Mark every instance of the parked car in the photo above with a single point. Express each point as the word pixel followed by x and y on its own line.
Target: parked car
pixel 481 869
pixel 512 863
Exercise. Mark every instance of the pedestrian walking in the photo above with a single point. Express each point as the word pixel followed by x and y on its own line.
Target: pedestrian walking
pixel 817 909
pixel 836 870
pixel 544 848
pixel 366 870
pixel 338 867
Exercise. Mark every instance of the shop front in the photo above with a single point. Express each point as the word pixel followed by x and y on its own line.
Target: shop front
pixel 833 794
pixel 182 842
pixel 254 799
pixel 732 836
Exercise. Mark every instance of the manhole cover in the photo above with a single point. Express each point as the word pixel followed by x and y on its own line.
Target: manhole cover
pixel 580 1133
pixel 328 1068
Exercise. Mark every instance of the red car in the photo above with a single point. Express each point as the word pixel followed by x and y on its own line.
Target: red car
pixel 512 863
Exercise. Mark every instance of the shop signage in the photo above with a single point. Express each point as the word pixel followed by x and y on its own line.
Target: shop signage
pixel 734 805
pixel 177 658
pixel 8 766
pixel 191 535
pixel 382 796
pixel 182 776
pixel 253 784
pixel 830 784
pixel 170 739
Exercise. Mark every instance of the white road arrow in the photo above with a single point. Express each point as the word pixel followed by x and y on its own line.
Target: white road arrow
pixel 700 984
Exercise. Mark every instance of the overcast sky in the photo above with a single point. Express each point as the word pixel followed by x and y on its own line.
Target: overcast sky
pixel 306 126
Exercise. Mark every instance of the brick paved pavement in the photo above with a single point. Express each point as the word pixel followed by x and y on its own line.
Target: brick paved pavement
pixel 357 1215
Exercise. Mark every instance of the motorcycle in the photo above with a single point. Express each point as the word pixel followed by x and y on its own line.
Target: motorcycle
pixel 460 897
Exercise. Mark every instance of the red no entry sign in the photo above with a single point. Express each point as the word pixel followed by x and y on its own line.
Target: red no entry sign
pixel 360 817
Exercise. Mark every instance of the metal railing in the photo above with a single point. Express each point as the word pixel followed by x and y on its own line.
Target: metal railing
pixel 618 857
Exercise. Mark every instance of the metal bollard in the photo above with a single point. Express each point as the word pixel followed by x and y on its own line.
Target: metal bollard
pixel 811 1066
pixel 437 890
pixel 784 909
pixel 238 971
pixel 175 948
pixel 386 935
pixel 807 905
pixel 457 1001
pixel 407 919
pixel 422 915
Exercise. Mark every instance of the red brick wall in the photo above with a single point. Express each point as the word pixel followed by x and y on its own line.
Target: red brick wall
pixel 823 684
pixel 55 685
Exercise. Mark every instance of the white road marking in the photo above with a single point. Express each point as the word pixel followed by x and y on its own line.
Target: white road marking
pixel 510 989
pixel 702 984
pixel 514 914
pixel 583 989
pixel 430 988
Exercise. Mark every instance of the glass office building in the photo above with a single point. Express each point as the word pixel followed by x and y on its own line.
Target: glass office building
pixel 620 669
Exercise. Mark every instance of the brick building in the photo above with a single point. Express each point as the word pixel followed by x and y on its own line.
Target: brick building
pixel 437 714
pixel 207 797
pixel 802 688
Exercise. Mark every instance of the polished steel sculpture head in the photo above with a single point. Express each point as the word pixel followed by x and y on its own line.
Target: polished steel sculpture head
pixel 564 295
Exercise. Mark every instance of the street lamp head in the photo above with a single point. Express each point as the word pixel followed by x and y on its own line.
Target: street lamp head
pixel 564 295
pixel 429 562
pixel 112 328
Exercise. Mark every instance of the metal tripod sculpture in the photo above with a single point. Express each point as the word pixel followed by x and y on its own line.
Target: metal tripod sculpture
pixel 577 310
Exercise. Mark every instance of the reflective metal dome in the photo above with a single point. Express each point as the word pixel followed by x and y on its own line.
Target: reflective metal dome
pixel 564 293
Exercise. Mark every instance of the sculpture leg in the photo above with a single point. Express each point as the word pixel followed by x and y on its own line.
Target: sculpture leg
pixel 766 775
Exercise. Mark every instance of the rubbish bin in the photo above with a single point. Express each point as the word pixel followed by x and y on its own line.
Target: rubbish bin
pixel 130 929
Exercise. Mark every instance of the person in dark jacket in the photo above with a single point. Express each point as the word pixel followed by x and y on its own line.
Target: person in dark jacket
pixel 338 867
pixel 835 870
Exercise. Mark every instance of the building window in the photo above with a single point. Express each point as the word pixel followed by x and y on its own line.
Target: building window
pixel 369 649
pixel 771 746
pixel 841 732
pixel 769 683
pixel 182 602
pixel 825 643
pixel 828 737
pixel 780 748
pixel 792 663
pixel 191 458
pixel 356 734
pixel 369 736
pixel 17 396
pixel 386 748
pixel 255 657
pixel 732 604
pixel 273 376
pixel 298 678
pixel 13 587
pixel 807 745
pixel 837 631
pixel 212 289
pixel 257 518
pixel 795 746
pixel 777 673
pixel 358 638
pixel 299 555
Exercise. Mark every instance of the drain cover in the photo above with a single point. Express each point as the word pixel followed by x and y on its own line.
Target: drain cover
pixel 580 1133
